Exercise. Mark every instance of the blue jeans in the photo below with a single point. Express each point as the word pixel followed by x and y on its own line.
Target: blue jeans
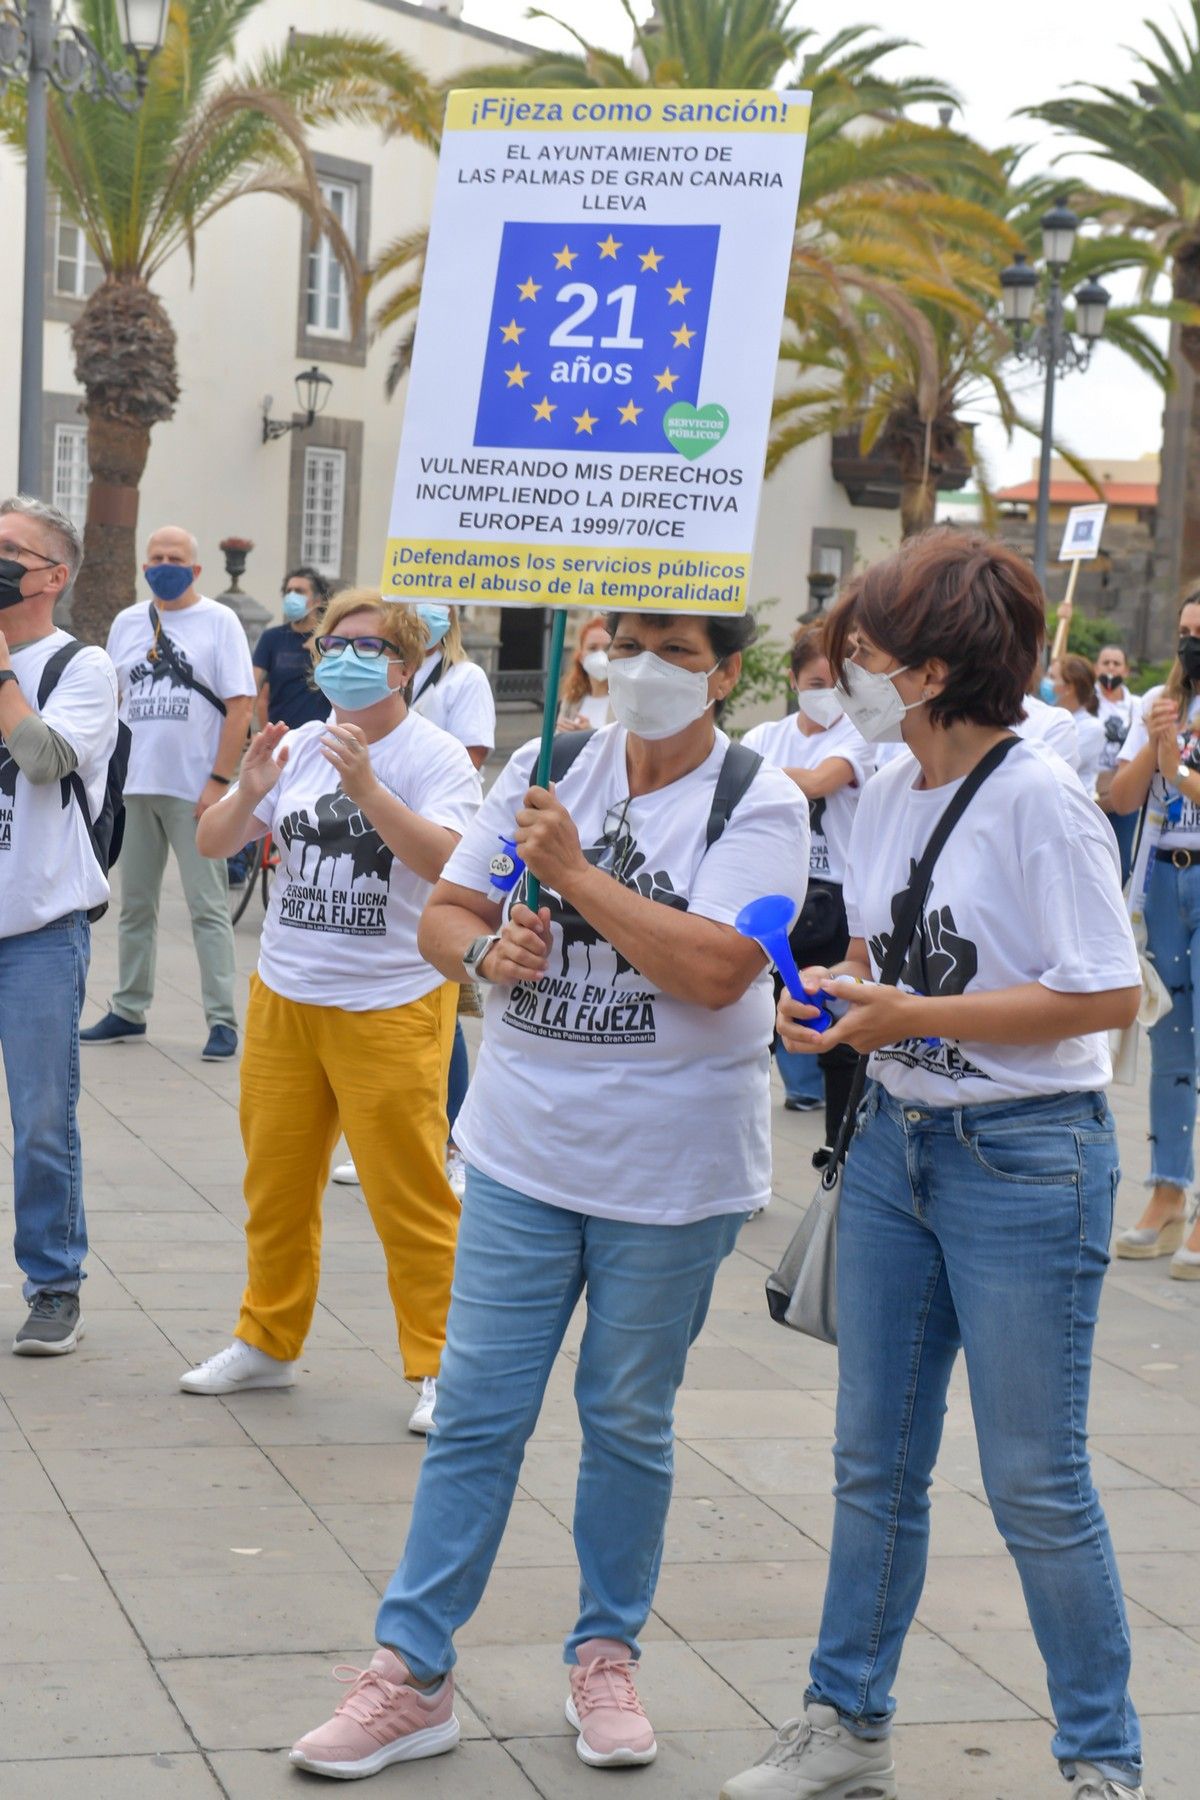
pixel 800 1074
pixel 985 1227
pixel 459 1077
pixel 1125 830
pixel 520 1270
pixel 42 979
pixel 1173 938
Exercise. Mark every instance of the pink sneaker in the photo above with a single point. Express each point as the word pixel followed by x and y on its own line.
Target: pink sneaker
pixel 604 1708
pixel 382 1720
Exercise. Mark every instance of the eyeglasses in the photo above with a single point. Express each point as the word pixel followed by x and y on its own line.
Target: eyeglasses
pixel 616 844
pixel 368 649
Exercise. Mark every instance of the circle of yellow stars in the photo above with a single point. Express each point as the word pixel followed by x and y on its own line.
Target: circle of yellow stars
pixel 529 289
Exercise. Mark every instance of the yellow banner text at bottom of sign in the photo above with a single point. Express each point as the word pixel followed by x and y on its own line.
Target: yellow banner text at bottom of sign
pixel 602 577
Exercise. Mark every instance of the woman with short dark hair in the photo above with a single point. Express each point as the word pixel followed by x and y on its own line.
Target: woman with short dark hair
pixel 617 1133
pixel 1074 681
pixel 977 1197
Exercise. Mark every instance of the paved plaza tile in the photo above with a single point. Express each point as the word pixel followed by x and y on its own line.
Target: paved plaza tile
pixel 178 1574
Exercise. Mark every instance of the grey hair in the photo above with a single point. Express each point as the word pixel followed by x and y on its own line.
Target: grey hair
pixel 64 533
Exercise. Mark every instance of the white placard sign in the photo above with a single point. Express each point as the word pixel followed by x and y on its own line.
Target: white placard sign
pixel 1081 535
pixel 596 349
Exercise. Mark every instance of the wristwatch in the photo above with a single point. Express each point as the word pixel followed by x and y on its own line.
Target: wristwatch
pixel 474 954
pixel 7 675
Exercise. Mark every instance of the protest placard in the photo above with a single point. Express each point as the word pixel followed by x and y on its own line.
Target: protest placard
pixel 596 347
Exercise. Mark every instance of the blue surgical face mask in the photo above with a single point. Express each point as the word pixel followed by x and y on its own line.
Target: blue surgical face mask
pixel 168 581
pixel 352 684
pixel 436 620
pixel 295 605
pixel 1046 691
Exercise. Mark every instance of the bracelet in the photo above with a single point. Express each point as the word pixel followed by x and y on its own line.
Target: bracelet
pixel 224 780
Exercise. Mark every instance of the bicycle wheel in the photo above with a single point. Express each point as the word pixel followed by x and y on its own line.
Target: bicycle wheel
pixel 239 898
pixel 270 862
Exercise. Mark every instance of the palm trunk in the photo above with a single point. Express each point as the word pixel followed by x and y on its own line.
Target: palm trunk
pixel 918 502
pixel 1186 285
pixel 125 359
pixel 117 451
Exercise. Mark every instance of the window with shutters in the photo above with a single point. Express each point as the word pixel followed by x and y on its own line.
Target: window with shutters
pixel 76 270
pixel 70 475
pixel 323 509
pixel 327 306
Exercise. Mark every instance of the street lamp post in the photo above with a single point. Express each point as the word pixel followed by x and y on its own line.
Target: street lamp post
pixel 43 48
pixel 1050 346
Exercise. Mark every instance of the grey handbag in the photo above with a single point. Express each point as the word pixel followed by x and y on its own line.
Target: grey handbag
pixel 802 1292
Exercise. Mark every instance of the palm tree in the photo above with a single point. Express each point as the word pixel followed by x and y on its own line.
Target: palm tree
pixel 728 44
pixel 1151 132
pixel 142 185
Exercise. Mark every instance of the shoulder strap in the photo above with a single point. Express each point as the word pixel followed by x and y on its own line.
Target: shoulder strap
pixel 166 649
pixel 738 770
pixel 906 922
pixel 53 670
pixel 431 680
pixel 567 747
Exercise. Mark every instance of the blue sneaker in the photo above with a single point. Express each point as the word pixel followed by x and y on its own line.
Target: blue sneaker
pixel 221 1045
pixel 112 1029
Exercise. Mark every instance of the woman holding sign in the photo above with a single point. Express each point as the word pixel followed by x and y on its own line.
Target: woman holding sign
pixel 978 1192
pixel 348 1026
pixel 626 1036
pixel 1164 746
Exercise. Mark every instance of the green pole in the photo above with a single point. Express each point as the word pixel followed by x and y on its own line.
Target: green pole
pixel 558 634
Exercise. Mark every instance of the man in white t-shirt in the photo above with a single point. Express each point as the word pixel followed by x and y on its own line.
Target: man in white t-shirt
pixel 1116 712
pixel 58 736
pixel 187 687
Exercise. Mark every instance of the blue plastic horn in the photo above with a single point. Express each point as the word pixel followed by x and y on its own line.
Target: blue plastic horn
pixel 768 921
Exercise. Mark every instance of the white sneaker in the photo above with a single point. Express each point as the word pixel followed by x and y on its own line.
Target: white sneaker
pixel 345 1174
pixel 1090 1784
pixel 236 1367
pixel 421 1419
pixel 456 1171
pixel 816 1758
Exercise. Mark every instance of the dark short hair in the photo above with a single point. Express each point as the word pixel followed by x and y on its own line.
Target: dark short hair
pixel 321 588
pixel 962 598
pixel 1079 675
pixel 808 642
pixel 728 634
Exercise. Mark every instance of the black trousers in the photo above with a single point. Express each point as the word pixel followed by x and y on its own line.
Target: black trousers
pixel 821 935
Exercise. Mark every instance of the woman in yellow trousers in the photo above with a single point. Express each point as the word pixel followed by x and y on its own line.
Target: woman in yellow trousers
pixel 348 1028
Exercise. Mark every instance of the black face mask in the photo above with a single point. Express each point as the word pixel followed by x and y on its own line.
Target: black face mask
pixel 1189 656
pixel 12 574
pixel 1110 683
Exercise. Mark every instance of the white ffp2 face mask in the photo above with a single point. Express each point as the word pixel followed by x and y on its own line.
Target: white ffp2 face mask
pixel 822 705
pixel 873 703
pixel 595 664
pixel 655 699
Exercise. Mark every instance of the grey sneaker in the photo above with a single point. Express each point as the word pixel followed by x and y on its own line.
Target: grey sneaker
pixel 52 1328
pixel 1090 1784
pixel 816 1758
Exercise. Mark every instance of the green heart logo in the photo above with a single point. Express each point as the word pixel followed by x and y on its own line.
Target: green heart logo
pixel 693 430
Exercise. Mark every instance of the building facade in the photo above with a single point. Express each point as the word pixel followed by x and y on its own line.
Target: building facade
pixel 266 302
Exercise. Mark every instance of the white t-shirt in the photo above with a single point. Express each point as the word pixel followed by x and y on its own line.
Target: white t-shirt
pixel 1181 828
pixel 785 745
pixel 1089 735
pixel 595 1091
pixel 1049 725
pixel 1116 716
pixel 341 927
pixel 595 708
pixel 47 865
pixel 1026 889
pixel 175 729
pixel 461 702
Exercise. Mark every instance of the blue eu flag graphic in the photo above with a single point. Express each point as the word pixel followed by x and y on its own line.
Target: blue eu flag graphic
pixel 592 338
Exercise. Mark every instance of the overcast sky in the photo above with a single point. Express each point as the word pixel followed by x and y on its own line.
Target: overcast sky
pixel 998 59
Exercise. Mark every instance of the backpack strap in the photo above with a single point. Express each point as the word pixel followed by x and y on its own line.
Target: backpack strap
pixel 567 747
pixel 162 646
pixel 53 670
pixel 432 679
pixel 72 784
pixel 738 770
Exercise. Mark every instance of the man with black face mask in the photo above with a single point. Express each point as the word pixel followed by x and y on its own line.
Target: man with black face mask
pixel 58 722
pixel 187 687
pixel 1116 705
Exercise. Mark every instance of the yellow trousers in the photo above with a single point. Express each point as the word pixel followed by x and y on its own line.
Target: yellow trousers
pixel 381 1078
